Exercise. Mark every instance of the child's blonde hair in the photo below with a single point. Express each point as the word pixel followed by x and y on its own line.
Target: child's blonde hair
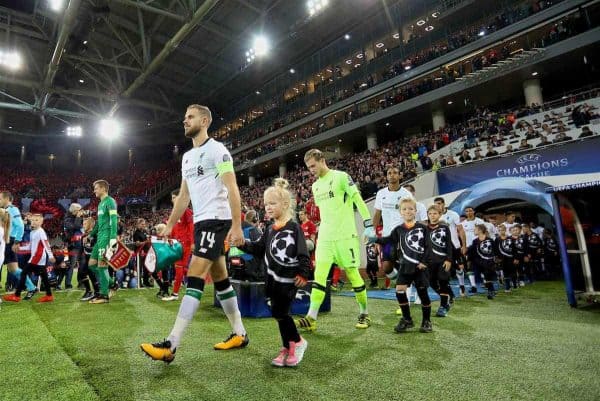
pixel 88 224
pixel 434 207
pixel 5 223
pixel 160 227
pixel 279 189
pixel 407 200
pixel 482 228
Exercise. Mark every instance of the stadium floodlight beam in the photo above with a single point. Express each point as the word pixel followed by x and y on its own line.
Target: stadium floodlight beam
pixel 56 5
pixel 316 6
pixel 110 129
pixel 261 45
pixel 74 131
pixel 11 60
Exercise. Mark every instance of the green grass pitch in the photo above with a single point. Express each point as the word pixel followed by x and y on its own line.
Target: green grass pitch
pixel 529 345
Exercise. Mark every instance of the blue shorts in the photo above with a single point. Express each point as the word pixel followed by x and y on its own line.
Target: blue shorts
pixel 9 255
pixel 387 252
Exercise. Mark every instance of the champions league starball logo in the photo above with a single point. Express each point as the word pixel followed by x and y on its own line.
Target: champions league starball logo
pixel 486 249
pixel 283 247
pixel 528 158
pixel 438 237
pixel 533 165
pixel 413 240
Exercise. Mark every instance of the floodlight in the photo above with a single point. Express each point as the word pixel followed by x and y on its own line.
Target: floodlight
pixel 10 60
pixel 56 5
pixel 110 128
pixel 315 6
pixel 261 45
pixel 74 131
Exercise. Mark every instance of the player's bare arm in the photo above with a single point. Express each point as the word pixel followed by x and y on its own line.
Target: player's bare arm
pixel 235 235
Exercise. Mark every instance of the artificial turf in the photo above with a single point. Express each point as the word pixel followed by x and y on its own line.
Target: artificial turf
pixel 529 345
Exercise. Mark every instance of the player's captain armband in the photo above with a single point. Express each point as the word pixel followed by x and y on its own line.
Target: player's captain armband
pixel 226 165
pixel 112 211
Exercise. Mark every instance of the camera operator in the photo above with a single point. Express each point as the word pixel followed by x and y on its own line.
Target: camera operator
pixel 140 238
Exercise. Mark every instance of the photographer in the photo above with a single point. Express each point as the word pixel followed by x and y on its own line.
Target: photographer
pixel 72 231
pixel 243 266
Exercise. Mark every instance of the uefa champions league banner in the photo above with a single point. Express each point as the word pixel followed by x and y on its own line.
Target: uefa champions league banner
pixel 65 203
pixel 136 200
pixel 84 202
pixel 26 204
pixel 572 158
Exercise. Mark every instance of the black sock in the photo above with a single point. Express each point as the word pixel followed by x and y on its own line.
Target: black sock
pixel 426 309
pixel 445 293
pixel 87 285
pixel 44 275
pixel 425 303
pixel 403 301
pixel 490 286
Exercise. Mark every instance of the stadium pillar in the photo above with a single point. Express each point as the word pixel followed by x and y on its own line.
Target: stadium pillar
pixel 282 169
pixel 371 141
pixel 23 150
pixel 438 119
pixel 533 92
pixel 251 180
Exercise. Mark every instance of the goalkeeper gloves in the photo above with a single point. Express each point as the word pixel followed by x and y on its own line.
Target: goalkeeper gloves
pixel 369 233
pixel 112 248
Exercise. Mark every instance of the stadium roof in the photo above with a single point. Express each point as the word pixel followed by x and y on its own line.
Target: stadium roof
pixel 144 60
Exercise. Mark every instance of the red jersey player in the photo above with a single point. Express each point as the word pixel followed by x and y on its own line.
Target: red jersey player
pixel 310 233
pixel 312 211
pixel 184 233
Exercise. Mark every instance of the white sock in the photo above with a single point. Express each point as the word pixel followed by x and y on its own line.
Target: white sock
pixel 313 313
pixel 393 274
pixel 229 303
pixel 187 310
pixel 460 275
pixel 472 280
